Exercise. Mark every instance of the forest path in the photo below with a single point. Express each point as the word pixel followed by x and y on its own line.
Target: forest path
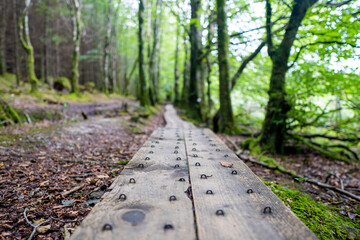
pixel 185 183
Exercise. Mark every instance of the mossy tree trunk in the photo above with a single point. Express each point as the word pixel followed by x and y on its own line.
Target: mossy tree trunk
pixel 185 89
pixel 24 37
pixel 274 126
pixel 76 19
pixel 106 57
pixel 154 55
pixel 195 61
pixel 226 116
pixel 176 68
pixel 143 90
pixel 2 36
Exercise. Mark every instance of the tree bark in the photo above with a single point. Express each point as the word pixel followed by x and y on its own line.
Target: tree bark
pixel 24 37
pixel 274 126
pixel 185 89
pixel 176 69
pixel 195 61
pixel 16 57
pixel 143 91
pixel 154 63
pixel 2 36
pixel 226 116
pixel 106 58
pixel 74 80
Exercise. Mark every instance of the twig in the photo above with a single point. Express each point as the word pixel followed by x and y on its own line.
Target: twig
pixel 64 194
pixel 293 175
pixel 81 176
pixel 34 226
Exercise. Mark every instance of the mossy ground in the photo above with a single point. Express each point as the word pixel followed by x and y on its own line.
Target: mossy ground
pixel 324 221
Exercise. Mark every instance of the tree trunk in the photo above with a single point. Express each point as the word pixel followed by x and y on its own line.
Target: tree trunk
pixel 195 61
pixel 16 57
pixel 106 58
pixel 143 91
pixel 24 37
pixel 74 80
pixel 226 117
pixel 185 89
pixel 153 64
pixel 2 36
pixel 176 69
pixel 274 126
pixel 46 43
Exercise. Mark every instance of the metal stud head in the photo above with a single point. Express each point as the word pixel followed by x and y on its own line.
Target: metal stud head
pixel 152 146
pixel 132 180
pixel 194 149
pixel 151 152
pixel 122 197
pixel 172 198
pixel 220 212
pixel 141 165
pixel 233 172
pixel 249 191
pixel 147 158
pixel 203 176
pixel 218 150
pixel 168 227
pixel 194 144
pixel 267 209
pixel 195 155
pixel 178 158
pixel 176 166
pixel 197 164
pixel 182 179
pixel 226 155
pixel 209 192
pixel 157 142
pixel 176 147
pixel 107 227
pixel 176 152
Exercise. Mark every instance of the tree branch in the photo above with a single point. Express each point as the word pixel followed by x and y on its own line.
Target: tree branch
pixel 332 4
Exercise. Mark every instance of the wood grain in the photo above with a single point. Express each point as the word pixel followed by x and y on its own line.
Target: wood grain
pixel 147 208
pixel 243 213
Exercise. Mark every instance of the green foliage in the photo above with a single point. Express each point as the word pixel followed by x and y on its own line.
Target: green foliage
pixel 124 162
pixel 324 221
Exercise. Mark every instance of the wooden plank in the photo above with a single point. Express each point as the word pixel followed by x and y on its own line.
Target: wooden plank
pixel 244 216
pixel 173 120
pixel 147 209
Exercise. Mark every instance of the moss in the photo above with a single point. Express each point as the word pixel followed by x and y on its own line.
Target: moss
pixel 124 162
pixel 324 221
pixel 8 114
pixel 61 84
pixel 49 114
pixel 269 161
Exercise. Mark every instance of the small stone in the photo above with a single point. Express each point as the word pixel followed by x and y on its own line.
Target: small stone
pixel 43 229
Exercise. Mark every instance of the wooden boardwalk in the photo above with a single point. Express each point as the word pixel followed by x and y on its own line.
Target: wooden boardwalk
pixel 175 188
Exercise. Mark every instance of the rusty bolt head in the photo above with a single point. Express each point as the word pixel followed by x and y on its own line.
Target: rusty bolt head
pixel 172 198
pixel 203 176
pixel 122 197
pixel 107 227
pixel 209 192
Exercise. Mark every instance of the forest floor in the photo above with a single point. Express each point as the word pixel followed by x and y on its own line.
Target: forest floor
pixel 54 172
pixel 58 170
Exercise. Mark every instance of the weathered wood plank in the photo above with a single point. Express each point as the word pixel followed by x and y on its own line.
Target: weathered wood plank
pixel 147 209
pixel 173 120
pixel 244 216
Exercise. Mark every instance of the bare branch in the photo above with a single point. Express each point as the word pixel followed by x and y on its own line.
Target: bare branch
pixel 332 4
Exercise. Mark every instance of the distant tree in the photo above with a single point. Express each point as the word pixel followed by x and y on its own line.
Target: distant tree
pixel 2 36
pixel 143 90
pixel 76 21
pixel 24 37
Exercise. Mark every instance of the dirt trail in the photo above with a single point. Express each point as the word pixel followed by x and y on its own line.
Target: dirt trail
pixel 59 171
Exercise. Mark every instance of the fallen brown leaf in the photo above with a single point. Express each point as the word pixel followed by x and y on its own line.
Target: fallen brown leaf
pixel 226 164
